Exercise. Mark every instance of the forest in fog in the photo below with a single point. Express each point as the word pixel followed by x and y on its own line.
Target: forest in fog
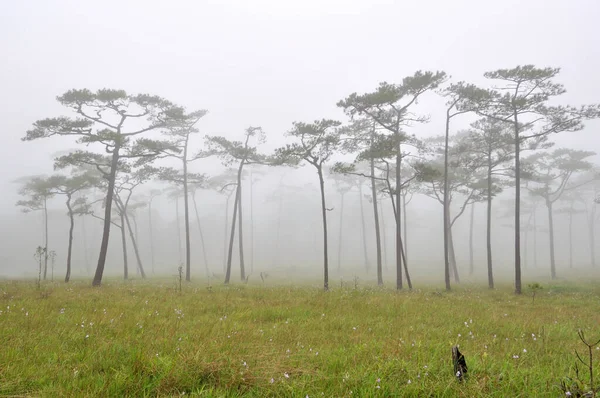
pixel 358 197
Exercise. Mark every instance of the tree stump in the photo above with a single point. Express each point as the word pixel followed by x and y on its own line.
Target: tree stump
pixel 460 364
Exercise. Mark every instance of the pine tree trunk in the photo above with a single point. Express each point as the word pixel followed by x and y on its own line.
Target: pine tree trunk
pixel 488 237
pixel 46 237
pixel 186 215
pixel 384 236
pixel 551 235
pixel 398 221
pixel 178 224
pixel 446 205
pixel 107 214
pixel 376 219
pixel 232 236
pixel 241 230
pixel 363 228
pixel 517 205
pixel 70 245
pixel 124 243
pixel 471 222
pixel 324 216
pixel 152 259
pixel 339 257
pixel 201 234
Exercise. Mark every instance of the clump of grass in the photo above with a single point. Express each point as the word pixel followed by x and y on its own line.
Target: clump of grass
pixel 147 339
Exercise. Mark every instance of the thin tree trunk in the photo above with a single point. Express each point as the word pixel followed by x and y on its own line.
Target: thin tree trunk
pixel 324 215
pixel 405 224
pixel 232 236
pixel 592 235
pixel 384 235
pixel 339 267
pixel 107 214
pixel 363 228
pixel 376 219
pixel 452 255
pixel 278 230
pixel 226 229
pixel 489 224
pixel 517 206
pixel 186 214
pixel 398 221
pixel 571 236
pixel 124 243
pixel 46 237
pixel 471 222
pixel 86 249
pixel 201 234
pixel 178 223
pixel 535 245
pixel 446 205
pixel 134 243
pixel 136 235
pixel 251 224
pixel 551 234
pixel 70 245
pixel 241 230
pixel 151 235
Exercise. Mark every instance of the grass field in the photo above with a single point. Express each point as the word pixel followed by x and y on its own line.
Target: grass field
pixel 148 339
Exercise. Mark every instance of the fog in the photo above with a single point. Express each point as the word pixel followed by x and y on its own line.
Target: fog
pixel 271 63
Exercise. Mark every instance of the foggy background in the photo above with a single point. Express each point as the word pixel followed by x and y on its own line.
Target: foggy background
pixel 270 63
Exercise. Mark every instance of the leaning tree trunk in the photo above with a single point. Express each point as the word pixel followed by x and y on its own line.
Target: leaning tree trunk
pixel 339 256
pixel 232 236
pixel 226 229
pixel 107 214
pixel 488 238
pixel 124 243
pixel 134 244
pixel 376 219
pixel 46 237
pixel 86 249
pixel 551 235
pixel 452 255
pixel 70 245
pixel 324 216
pixel 471 222
pixel 363 228
pixel 241 230
pixel 201 234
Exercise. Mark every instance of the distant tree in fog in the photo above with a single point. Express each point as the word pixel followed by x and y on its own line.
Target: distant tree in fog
pixel 68 186
pixel 115 121
pixel 388 107
pixel 547 175
pixel 524 103
pixel 244 154
pixel 491 140
pixel 314 143
pixel 178 135
pixel 37 190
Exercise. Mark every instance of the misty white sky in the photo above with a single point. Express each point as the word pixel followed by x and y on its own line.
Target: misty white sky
pixel 271 62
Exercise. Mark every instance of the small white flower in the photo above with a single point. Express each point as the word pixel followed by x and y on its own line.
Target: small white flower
pixel 286 375
pixel 87 335
pixel 524 350
pixel 515 357
pixel 408 382
pixel 272 380
pixel 458 374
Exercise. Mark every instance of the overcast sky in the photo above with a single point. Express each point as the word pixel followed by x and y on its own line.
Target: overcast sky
pixel 272 62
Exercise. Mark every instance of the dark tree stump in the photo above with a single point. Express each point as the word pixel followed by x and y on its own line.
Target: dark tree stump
pixel 460 364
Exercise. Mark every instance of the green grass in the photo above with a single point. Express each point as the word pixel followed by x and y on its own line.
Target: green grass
pixel 148 339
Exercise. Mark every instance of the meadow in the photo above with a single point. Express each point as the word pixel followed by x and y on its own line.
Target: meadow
pixel 148 338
